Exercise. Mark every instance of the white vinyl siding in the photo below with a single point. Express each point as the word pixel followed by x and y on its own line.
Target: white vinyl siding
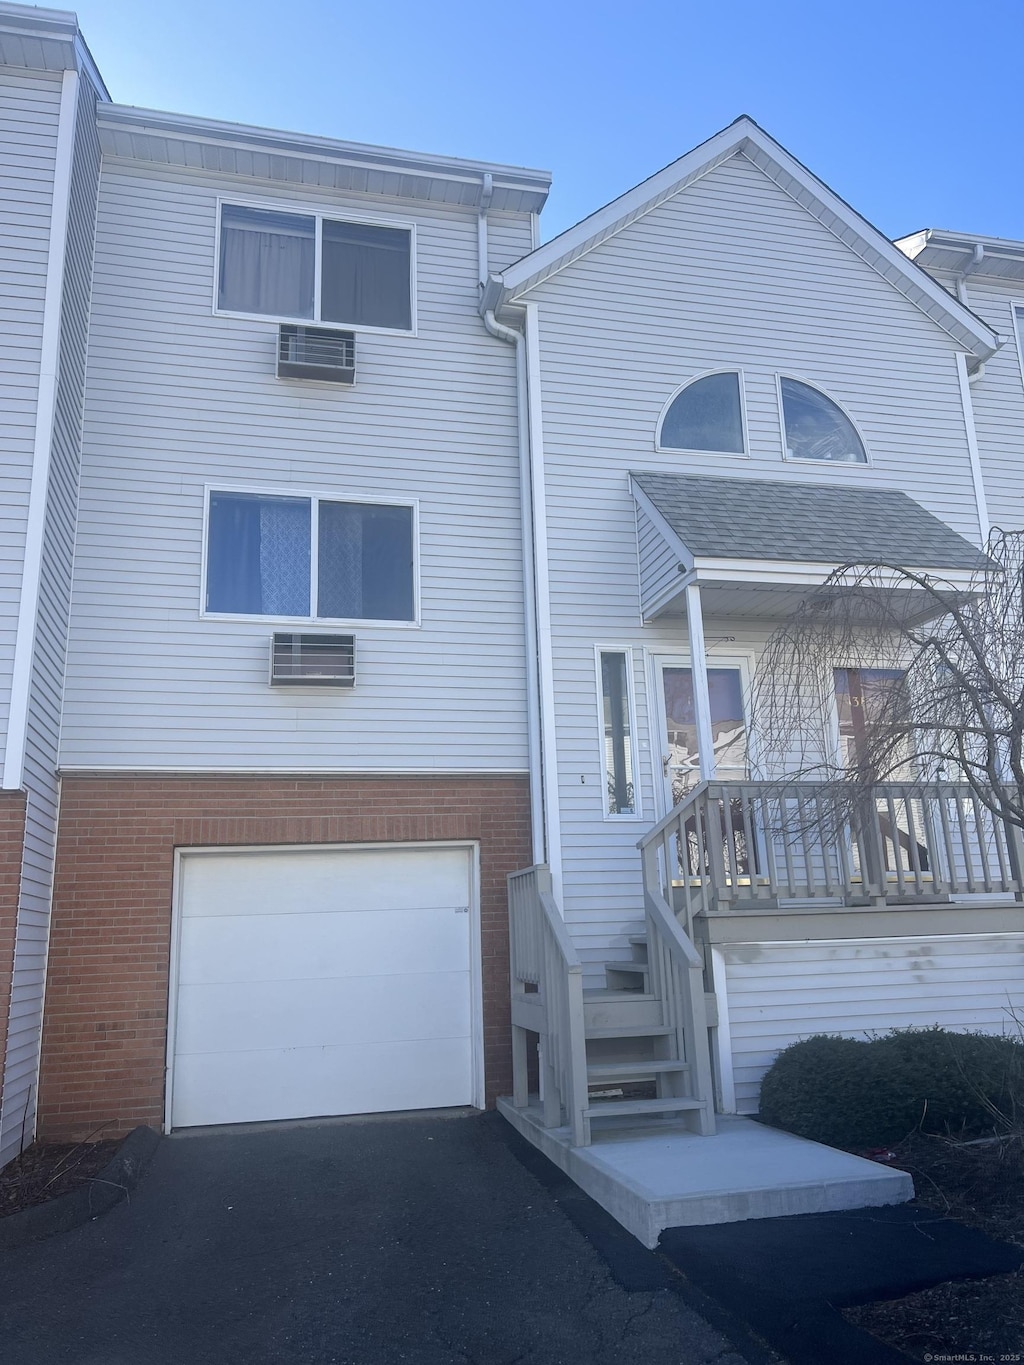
pixel 730 274
pixel 29 109
pixel 659 562
pixel 48 660
pixel 180 399
pixel 997 398
pixel 781 992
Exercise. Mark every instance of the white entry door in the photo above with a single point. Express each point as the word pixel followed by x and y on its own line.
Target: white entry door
pixel 322 981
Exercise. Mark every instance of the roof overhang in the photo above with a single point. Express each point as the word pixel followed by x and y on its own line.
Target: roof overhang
pixel 744 136
pixel 294 158
pixel 770 588
pixel 964 253
pixel 46 40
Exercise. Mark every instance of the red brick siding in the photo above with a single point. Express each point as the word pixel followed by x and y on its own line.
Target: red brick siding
pixel 12 842
pixel 104 1035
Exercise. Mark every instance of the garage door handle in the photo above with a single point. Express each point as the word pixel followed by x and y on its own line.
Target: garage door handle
pixel 462 909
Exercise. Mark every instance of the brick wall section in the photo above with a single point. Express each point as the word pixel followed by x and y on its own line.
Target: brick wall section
pixel 12 841
pixel 105 1029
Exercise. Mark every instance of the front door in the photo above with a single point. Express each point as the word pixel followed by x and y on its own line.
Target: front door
pixel 680 758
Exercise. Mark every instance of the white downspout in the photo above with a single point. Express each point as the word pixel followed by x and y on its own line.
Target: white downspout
pixel 545 662
pixel 537 823
pixel 486 195
pixel 46 406
pixel 980 499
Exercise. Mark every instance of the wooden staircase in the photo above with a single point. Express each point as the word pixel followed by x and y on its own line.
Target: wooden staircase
pixel 630 1049
pixel 635 1047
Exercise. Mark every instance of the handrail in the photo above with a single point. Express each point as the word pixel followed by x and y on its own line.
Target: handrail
pixel 798 840
pixel 543 956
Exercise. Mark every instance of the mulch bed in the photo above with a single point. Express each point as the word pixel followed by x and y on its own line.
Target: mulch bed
pixel 46 1170
pixel 981 1184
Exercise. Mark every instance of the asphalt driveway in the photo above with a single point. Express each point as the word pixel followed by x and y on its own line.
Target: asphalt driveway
pixel 420 1239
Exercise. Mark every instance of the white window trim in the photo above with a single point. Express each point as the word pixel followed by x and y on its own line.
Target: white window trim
pixel 818 464
pixel 657 660
pixel 318 214
pixel 1017 323
pixel 314 497
pixel 637 814
pixel 743 454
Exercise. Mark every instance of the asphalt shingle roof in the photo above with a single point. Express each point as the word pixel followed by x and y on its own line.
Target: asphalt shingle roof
pixel 778 520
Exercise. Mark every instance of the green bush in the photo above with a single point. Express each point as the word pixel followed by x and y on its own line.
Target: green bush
pixel 836 1090
pixel 849 1093
pixel 966 1083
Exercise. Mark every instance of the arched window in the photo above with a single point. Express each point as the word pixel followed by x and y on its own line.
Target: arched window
pixel 817 428
pixel 706 415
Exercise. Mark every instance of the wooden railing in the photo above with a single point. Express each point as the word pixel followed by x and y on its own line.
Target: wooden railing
pixel 547 998
pixel 734 842
pixel 677 979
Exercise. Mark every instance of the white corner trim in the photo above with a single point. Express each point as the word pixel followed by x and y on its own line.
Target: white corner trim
pixel 981 502
pixel 545 663
pixel 46 404
pixel 726 1076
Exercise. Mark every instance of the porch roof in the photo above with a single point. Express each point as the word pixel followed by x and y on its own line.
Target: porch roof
pixel 771 534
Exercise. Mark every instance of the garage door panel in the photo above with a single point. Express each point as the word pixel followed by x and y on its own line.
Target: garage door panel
pixel 331 981
pixel 290 1083
pixel 328 881
pixel 240 1016
pixel 232 948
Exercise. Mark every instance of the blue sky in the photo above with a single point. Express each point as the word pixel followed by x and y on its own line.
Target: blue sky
pixel 912 113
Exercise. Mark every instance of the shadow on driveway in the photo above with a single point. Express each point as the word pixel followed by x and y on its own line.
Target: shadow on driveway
pixel 417 1239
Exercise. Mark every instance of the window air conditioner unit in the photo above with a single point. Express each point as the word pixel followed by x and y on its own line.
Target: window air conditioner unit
pixel 313 661
pixel 316 353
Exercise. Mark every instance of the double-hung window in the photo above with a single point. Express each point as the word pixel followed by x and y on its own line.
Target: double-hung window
pixel 305 267
pixel 312 558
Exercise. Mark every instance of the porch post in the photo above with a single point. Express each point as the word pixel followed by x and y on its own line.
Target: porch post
pixel 701 690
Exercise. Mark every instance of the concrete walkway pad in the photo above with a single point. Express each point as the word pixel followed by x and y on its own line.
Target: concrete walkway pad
pixel 661 1176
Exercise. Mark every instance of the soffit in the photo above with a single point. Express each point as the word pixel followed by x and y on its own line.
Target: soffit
pixel 290 158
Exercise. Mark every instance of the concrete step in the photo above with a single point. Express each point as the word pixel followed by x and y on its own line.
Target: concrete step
pixel 637 1069
pixel 669 1104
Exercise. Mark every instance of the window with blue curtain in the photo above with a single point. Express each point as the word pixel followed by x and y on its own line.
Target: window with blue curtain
pixel 259 558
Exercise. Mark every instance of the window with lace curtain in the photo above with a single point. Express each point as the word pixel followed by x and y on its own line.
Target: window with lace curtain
pixel 305 267
pixel 312 558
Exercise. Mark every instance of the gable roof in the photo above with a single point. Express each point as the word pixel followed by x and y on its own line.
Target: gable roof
pixel 732 518
pixel 744 136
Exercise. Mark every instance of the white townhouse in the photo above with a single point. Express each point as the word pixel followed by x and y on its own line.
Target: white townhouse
pixel 361 553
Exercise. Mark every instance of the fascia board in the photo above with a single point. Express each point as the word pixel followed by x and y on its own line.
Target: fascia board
pixel 184 127
pixel 803 186
pixel 591 231
pixel 670 536
pixel 805 573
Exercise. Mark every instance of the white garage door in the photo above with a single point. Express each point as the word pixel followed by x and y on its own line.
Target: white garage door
pixel 328 981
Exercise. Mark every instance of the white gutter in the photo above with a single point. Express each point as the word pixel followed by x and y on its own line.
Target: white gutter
pixel 981 501
pixel 46 405
pixel 537 825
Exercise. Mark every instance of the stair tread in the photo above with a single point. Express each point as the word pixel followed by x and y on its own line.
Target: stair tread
pixel 631 1031
pixel 604 993
pixel 671 1103
pixel 640 940
pixel 631 966
pixel 605 1070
